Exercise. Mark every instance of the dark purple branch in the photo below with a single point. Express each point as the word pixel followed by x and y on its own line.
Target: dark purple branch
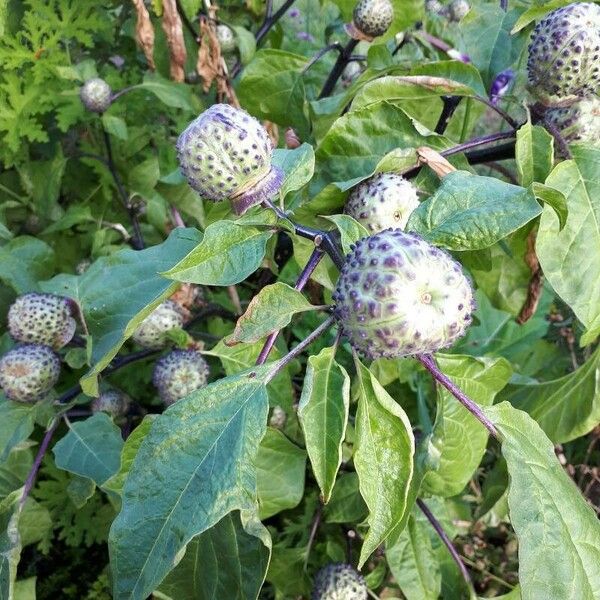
pixel 450 105
pixel 499 152
pixel 429 363
pixel 321 53
pixel 270 20
pixel 338 68
pixel 37 462
pixel 446 540
pixel 311 265
pixel 479 141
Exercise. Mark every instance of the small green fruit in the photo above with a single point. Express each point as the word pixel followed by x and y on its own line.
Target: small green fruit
pixel 226 154
pixel 178 374
pixel 339 582
pixel 563 64
pixel 113 402
pixel 152 331
pixel 226 39
pixel 382 201
pixel 373 17
pixel 96 95
pixel 398 295
pixel 42 319
pixel 458 10
pixel 28 371
pixel 579 122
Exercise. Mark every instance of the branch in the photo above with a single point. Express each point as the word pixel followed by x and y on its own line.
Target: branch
pixel 321 53
pixel 270 20
pixel 338 68
pixel 450 105
pixel 479 141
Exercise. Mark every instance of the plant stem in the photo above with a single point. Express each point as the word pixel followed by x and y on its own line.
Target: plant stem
pixel 37 462
pixel 499 152
pixel 138 240
pixel 311 265
pixel 270 20
pixel 321 53
pixel 338 68
pixel 292 354
pixel 479 141
pixel 446 540
pixel 313 532
pixel 450 105
pixel 429 363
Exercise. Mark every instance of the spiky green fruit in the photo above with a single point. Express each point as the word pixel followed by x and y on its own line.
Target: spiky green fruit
pixel 398 295
pixel 152 331
pixel 42 319
pixel 226 154
pixel 114 402
pixel 373 17
pixel 226 39
pixel 563 64
pixel 339 582
pixel 178 374
pixel 458 10
pixel 96 95
pixel 28 371
pixel 382 201
pixel 579 122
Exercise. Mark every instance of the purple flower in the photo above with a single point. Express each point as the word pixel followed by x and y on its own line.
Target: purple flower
pixel 501 85
pixel 305 36
pixel 294 13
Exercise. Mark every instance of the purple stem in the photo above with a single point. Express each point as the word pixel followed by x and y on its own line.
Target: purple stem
pixel 429 363
pixel 37 462
pixel 480 141
pixel 444 537
pixel 311 265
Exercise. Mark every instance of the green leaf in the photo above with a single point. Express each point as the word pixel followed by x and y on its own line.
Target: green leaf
pixel 136 288
pixel 298 166
pixel 323 413
pixel 16 424
pixel 24 261
pixel 548 513
pixel 564 408
pixel 92 448
pixel 346 504
pixel 115 126
pixel 280 467
pixel 383 458
pixel 350 230
pixel 25 589
pixel 537 11
pixel 270 310
pixel 272 87
pixel 553 198
pixel 481 379
pixel 14 471
pixel 470 212
pixel 228 253
pixel 227 561
pixel 10 544
pixel 534 153
pixel 174 95
pixel 414 563
pixel 192 469
pixel 246 43
pixel 570 258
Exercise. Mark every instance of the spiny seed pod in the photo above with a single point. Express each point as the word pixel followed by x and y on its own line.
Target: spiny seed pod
pixel 382 201
pixel 42 319
pixel 96 95
pixel 339 582
pixel 435 7
pixel 178 374
pixel 28 371
pixel 152 331
pixel 458 10
pixel 398 295
pixel 564 54
pixel 226 153
pixel 373 17
pixel 226 39
pixel 113 402
pixel 579 122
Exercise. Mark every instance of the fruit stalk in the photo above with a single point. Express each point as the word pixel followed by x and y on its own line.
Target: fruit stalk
pixel 446 540
pixel 429 363
pixel 270 20
pixel 338 68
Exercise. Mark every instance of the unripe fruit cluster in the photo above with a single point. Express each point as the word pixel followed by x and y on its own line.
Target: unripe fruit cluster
pixel 339 582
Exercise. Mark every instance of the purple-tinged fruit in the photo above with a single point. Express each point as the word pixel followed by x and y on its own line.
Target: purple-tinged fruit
pixel 578 123
pixel 373 17
pixel 226 154
pixel 382 201
pixel 28 372
pixel 226 39
pixel 152 331
pixel 42 319
pixel 339 582
pixel 564 55
pixel 178 374
pixel 398 295
pixel 114 402
pixel 96 95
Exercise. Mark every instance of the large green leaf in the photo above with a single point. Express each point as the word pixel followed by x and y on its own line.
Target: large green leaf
pixel 471 212
pixel 298 166
pixel 10 543
pixel 570 258
pixel 413 562
pixel 550 516
pixel 229 560
pixel 383 457
pixel 323 414
pixel 458 437
pixel 117 292
pixel 16 423
pixel 170 93
pixel 228 253
pixel 14 471
pixel 92 448
pixel 564 408
pixel 534 153
pixel 280 468
pixel 346 504
pixel 24 261
pixel 193 468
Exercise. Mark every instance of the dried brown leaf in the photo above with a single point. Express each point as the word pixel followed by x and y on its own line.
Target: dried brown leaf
pixel 173 28
pixel 144 32
pixel 435 161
